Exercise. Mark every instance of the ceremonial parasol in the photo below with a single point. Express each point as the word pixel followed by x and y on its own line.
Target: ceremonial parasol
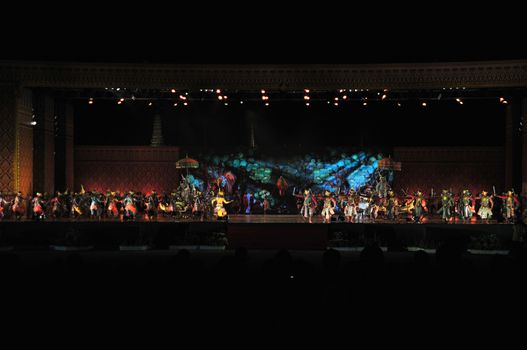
pixel 187 163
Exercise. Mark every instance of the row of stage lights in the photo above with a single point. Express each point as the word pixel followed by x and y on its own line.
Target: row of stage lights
pixel 342 96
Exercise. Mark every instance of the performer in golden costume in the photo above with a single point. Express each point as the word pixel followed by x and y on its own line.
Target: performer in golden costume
pixel 219 209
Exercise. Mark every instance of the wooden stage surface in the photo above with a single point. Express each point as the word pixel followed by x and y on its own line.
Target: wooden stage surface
pixel 251 231
pixel 261 219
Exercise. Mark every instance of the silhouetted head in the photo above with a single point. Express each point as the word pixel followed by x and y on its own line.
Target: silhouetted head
pixel 283 256
pixel 372 254
pixel 421 257
pixel 241 253
pixel 331 259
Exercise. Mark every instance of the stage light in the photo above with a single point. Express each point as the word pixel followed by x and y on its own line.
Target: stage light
pixel 218 91
pixel 122 99
pixel 265 98
pixel 399 104
pixel 336 99
pixel 378 94
pixel 33 122
pixel 185 104
pixel 336 103
pixel 149 103
pixel 306 98
pixel 220 97
pixel 175 104
pixel 365 103
pixel 181 97
pixel 267 103
pixel 226 103
pixel 174 91
pixel 307 104
pixel 241 102
pixel 119 102
pixel 118 89
pixel 345 97
pixel 90 102
pixel 423 104
pixel 262 91
pixel 225 97
pixel 383 97
pixel 306 91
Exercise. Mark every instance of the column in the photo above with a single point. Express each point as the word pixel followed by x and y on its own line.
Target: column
pixel 69 145
pixel 157 132
pixel 16 140
pixel 64 146
pixel 523 127
pixel 44 142
pixel 509 140
pixel 250 117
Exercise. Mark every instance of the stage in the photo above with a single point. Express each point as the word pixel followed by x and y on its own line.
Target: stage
pixel 250 231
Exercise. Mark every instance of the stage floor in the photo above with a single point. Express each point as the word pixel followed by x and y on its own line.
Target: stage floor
pixel 298 219
pixel 251 231
pixel 271 219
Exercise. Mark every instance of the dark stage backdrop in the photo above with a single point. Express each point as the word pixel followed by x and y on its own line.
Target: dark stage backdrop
pixel 473 168
pixel 143 168
pixel 204 126
pixel 124 168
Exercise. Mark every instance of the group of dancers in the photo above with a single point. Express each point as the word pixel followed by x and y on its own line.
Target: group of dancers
pixel 368 205
pixel 184 202
pixel 77 205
